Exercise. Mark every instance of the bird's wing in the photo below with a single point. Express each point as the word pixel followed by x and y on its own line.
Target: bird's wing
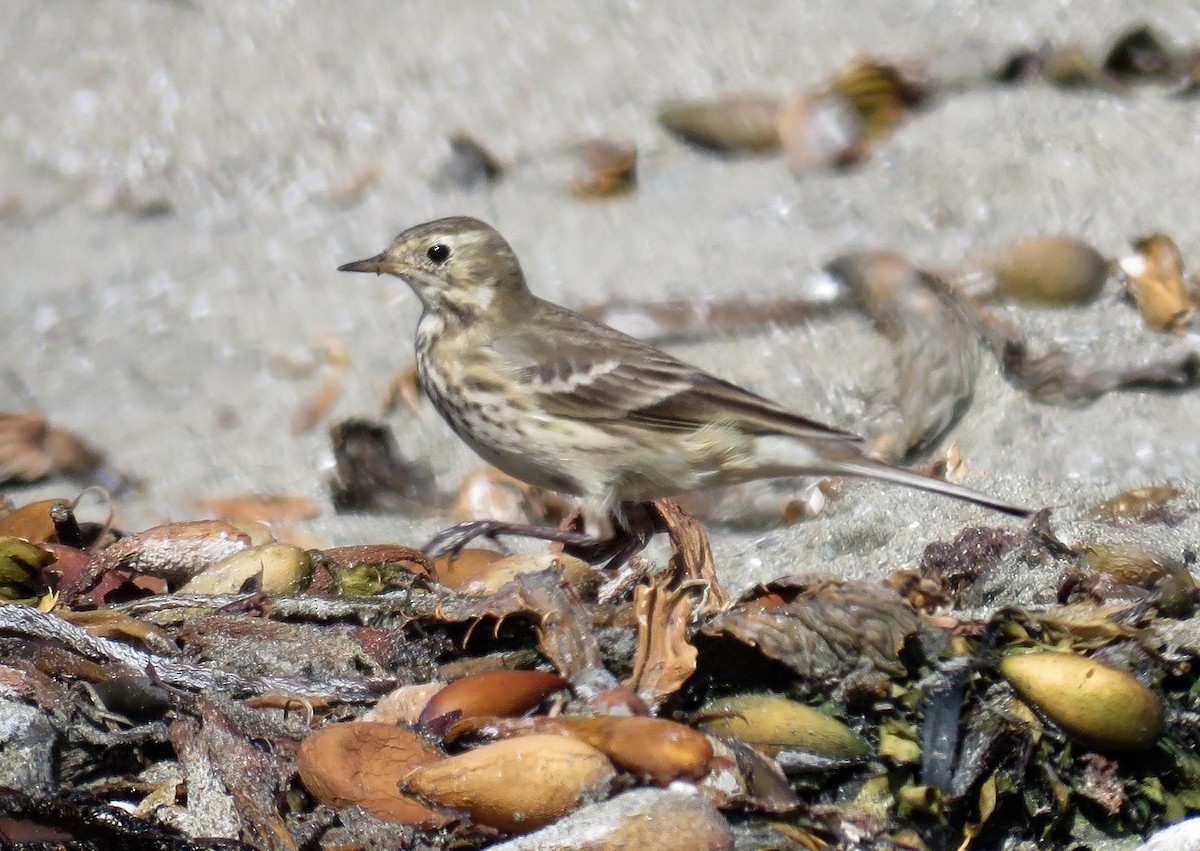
pixel 588 371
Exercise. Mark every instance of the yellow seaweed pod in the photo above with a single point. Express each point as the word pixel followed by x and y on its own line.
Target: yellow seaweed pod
pixel 1094 704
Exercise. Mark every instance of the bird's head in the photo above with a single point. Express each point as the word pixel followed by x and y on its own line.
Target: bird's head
pixel 457 266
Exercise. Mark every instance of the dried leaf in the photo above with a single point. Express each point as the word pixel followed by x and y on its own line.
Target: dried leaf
pixel 825 628
pixel 564 625
pixel 691 556
pixel 1056 378
pixel 1102 782
pixel 24 575
pixel 21 680
pixel 952 567
pixel 233 783
pixel 664 660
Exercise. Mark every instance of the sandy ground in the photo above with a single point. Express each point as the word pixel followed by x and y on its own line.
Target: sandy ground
pixel 161 339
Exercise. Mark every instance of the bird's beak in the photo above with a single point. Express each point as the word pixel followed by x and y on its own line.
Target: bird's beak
pixel 377 264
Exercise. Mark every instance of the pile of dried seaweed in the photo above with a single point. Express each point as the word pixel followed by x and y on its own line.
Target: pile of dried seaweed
pixel 200 679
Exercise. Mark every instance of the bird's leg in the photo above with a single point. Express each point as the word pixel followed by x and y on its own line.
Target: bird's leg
pixel 451 541
pixel 634 528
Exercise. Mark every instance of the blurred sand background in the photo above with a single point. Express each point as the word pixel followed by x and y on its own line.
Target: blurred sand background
pixel 160 338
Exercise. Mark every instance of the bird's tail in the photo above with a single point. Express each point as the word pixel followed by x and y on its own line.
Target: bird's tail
pixel 868 468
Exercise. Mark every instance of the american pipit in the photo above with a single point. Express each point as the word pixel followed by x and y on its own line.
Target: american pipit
pixel 565 403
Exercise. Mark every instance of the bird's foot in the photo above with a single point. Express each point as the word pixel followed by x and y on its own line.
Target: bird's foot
pixel 451 541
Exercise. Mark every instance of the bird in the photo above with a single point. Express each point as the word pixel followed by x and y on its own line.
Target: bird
pixel 565 403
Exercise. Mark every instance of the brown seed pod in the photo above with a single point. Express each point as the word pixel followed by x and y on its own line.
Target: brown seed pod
pixel 1068 67
pixel 1096 705
pixel 1157 281
pixel 517 785
pixel 362 763
pixel 466 567
pixel 775 724
pixel 1049 271
pixel 654 748
pixel 488 576
pixel 605 169
pixel 31 522
pixel 1139 504
pixel 275 569
pixel 1170 581
pixel 733 124
pixel 492 693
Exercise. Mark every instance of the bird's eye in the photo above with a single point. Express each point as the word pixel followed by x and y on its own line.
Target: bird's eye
pixel 438 253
